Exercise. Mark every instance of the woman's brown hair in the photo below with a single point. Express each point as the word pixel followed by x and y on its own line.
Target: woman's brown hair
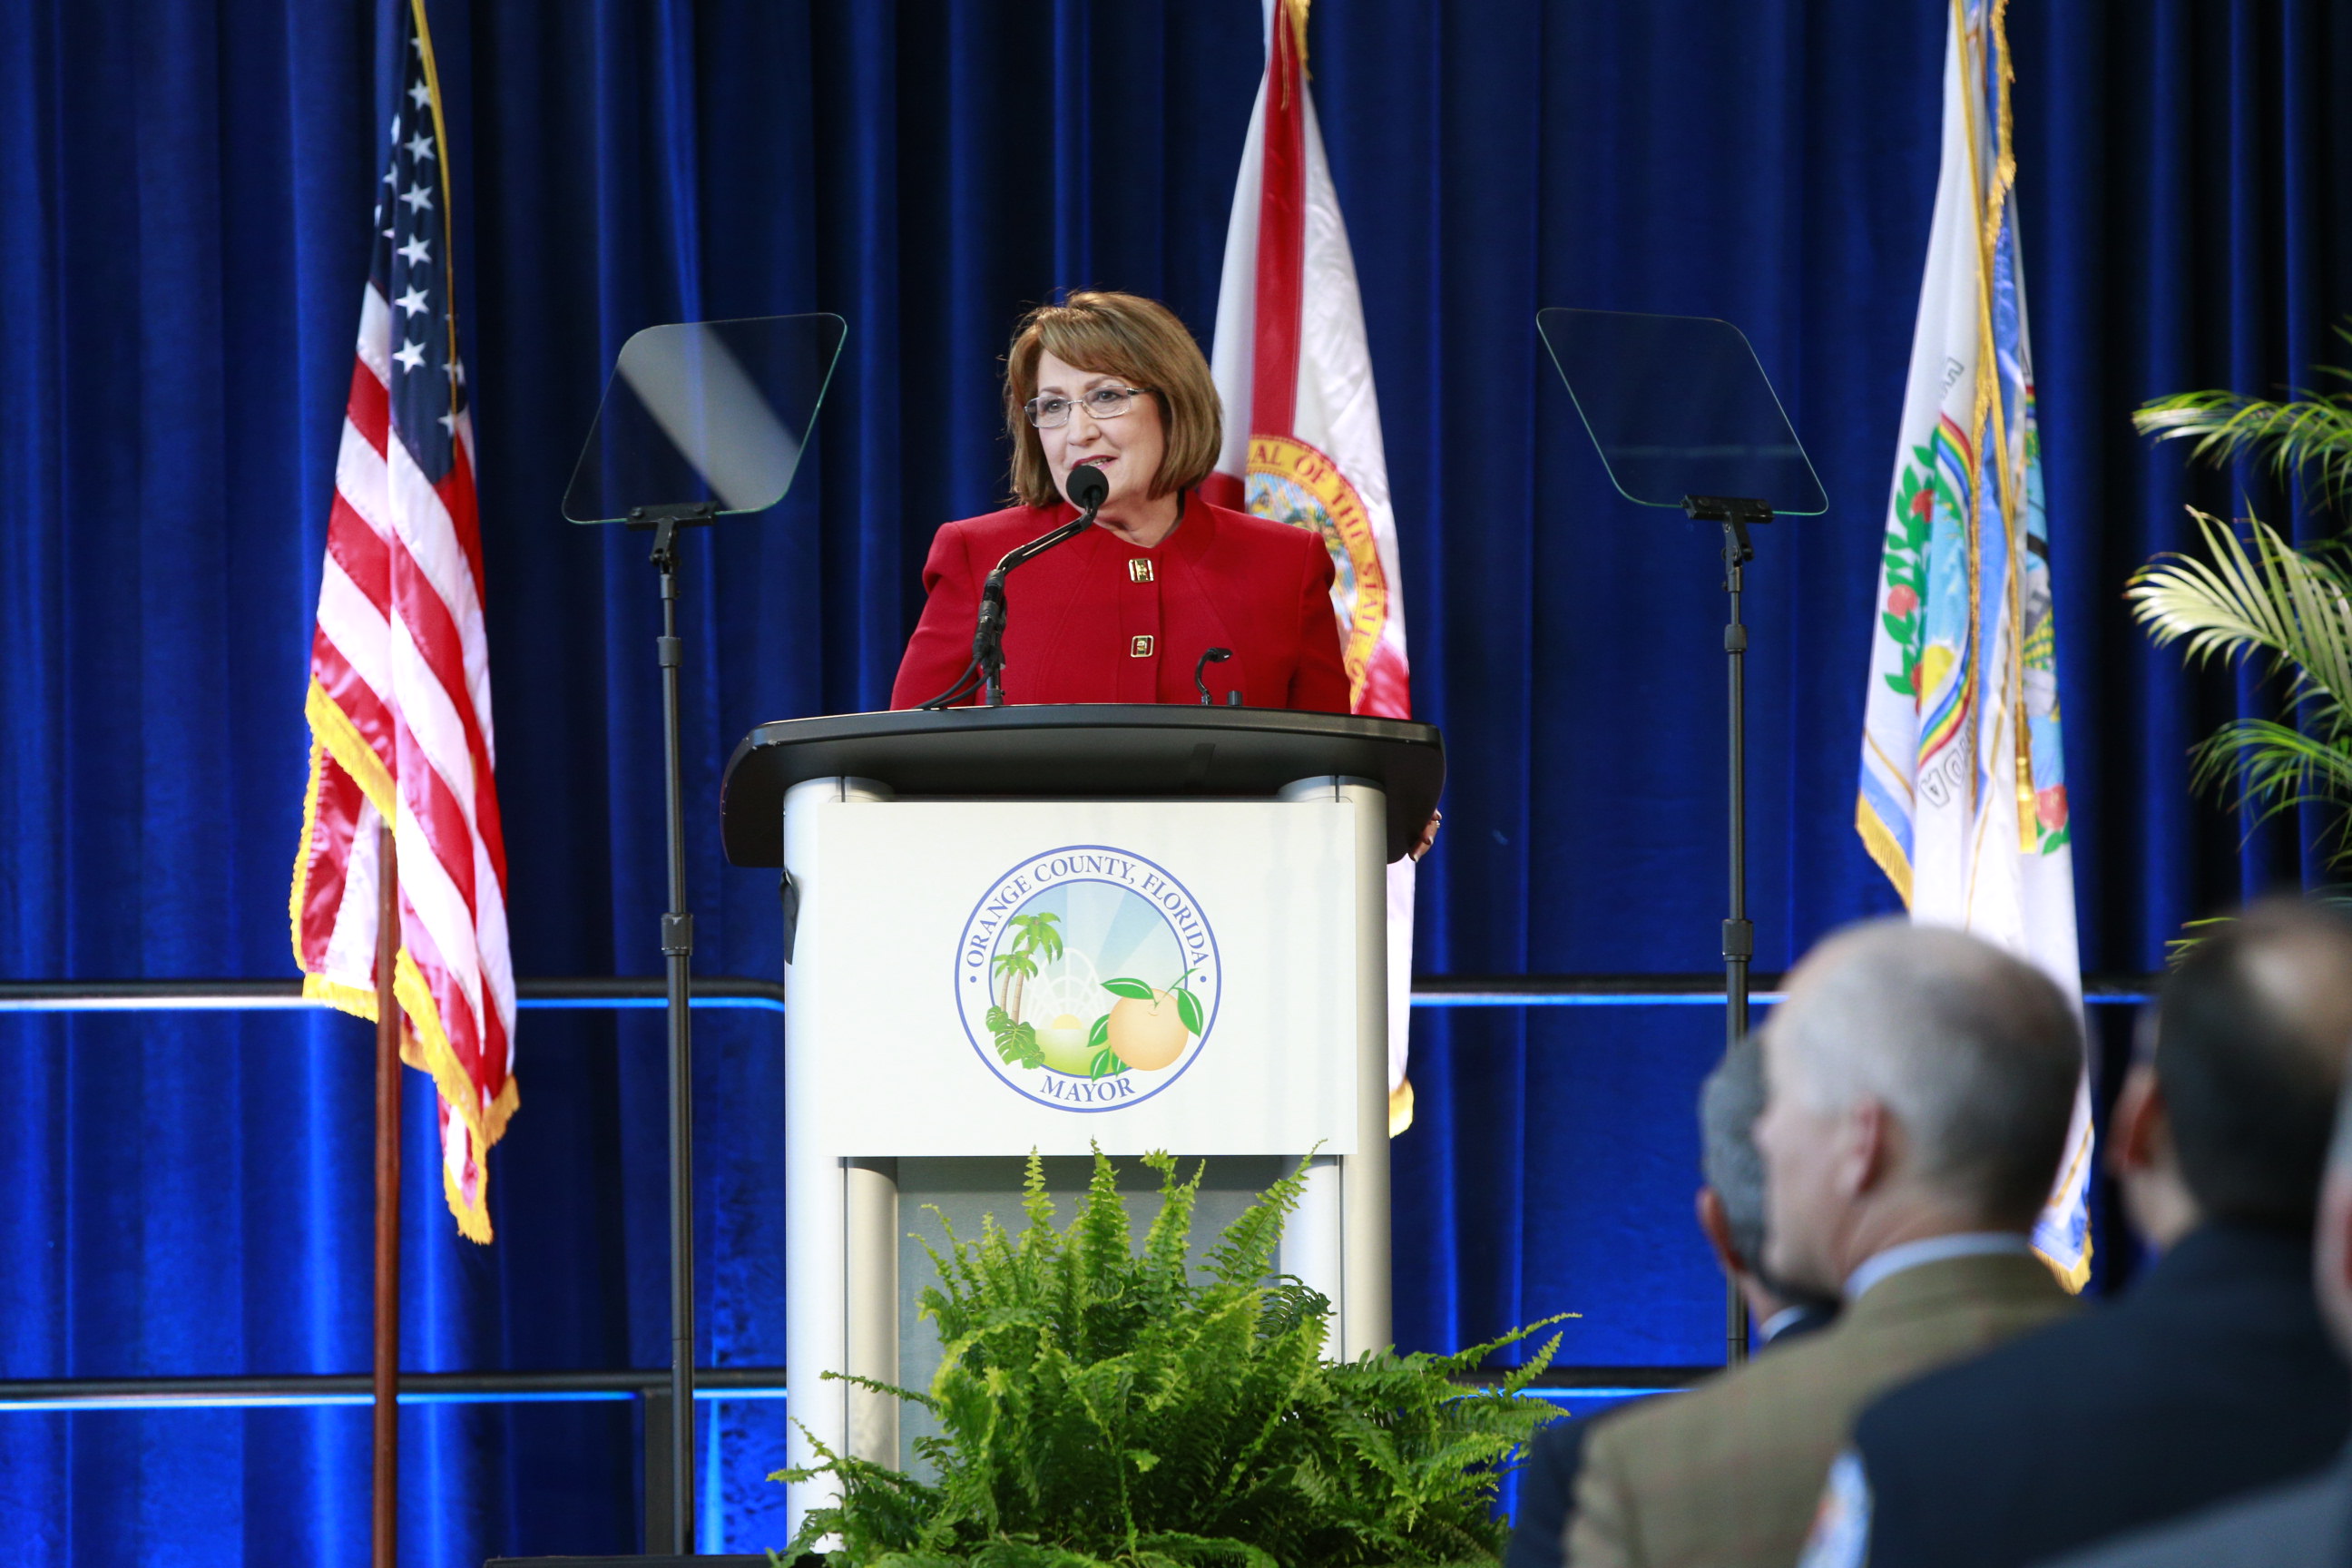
pixel 1138 340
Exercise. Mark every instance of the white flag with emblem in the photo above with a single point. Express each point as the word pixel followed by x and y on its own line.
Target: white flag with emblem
pixel 1963 790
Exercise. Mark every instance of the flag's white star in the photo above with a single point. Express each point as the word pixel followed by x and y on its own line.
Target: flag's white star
pixel 413 302
pixel 410 355
pixel 417 197
pixel 420 145
pixel 448 421
pixel 420 95
pixel 390 178
pixel 416 252
pixel 417 43
pixel 396 128
pixel 387 233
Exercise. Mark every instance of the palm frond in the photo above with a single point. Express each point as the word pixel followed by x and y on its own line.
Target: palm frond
pixel 2194 932
pixel 2294 607
pixel 2311 430
pixel 2258 596
pixel 2268 768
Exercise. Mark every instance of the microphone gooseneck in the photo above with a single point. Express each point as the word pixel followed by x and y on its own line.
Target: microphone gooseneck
pixel 1087 490
pixel 1208 657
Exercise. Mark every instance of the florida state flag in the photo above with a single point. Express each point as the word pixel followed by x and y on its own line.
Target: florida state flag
pixel 1302 425
pixel 399 704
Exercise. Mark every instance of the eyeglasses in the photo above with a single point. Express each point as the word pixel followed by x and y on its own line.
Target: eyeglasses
pixel 1102 403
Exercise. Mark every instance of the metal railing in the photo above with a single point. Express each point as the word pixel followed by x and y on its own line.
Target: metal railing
pixel 329 1389
pixel 275 996
pixel 722 992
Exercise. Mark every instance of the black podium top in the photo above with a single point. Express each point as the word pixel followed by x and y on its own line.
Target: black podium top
pixel 1069 751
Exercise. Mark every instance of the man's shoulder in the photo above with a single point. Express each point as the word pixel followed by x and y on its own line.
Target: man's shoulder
pixel 1732 1407
pixel 1808 1391
pixel 2120 1365
pixel 2301 1525
pixel 2069 1352
pixel 2173 1396
pixel 1727 1471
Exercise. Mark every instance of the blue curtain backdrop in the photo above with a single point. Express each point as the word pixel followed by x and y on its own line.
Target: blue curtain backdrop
pixel 184 190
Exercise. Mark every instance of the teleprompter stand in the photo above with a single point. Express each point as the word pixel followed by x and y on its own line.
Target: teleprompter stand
pixel 1737 514
pixel 677 957
pixel 1683 416
pixel 699 419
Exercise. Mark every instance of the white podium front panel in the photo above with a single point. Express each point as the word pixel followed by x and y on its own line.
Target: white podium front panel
pixel 983 977
pixel 979 978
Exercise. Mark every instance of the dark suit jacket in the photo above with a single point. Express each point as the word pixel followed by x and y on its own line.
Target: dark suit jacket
pixel 2212 1377
pixel 2305 1525
pixel 1548 1484
pixel 1546 1493
pixel 1096 620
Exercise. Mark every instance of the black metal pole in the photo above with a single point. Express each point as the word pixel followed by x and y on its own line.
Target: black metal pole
pixel 1739 934
pixel 677 950
pixel 1734 513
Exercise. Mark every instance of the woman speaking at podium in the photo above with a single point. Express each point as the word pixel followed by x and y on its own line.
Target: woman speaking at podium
pixel 1128 610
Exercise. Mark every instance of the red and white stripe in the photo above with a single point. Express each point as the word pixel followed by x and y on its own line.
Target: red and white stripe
pixel 1291 359
pixel 400 662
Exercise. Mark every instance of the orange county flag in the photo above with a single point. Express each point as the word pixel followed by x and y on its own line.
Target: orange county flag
pixel 399 703
pixel 1302 425
pixel 1963 787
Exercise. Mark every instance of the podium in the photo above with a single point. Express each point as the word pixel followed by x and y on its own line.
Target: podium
pixel 1056 927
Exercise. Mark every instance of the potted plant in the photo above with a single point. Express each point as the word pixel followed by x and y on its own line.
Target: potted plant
pixel 1100 1406
pixel 2256 594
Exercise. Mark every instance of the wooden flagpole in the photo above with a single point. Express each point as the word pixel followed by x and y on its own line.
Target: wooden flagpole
pixel 387 1207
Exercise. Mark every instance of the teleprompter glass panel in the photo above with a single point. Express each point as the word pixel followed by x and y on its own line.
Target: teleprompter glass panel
pixel 705 411
pixel 1679 405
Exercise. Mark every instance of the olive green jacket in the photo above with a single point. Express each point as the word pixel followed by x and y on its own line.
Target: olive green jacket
pixel 1727 1475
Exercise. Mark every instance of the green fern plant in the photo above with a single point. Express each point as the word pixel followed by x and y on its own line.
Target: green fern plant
pixel 1101 1408
pixel 2257 596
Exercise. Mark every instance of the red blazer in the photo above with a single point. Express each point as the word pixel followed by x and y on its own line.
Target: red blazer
pixel 1096 620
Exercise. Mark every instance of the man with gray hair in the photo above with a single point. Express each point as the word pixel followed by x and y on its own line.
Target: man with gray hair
pixel 1730 1206
pixel 2214 1375
pixel 1918 1087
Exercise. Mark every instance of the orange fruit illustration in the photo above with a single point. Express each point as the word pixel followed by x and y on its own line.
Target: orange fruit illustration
pixel 1147 1035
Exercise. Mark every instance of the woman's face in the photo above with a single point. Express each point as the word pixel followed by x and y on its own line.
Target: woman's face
pixel 1127 449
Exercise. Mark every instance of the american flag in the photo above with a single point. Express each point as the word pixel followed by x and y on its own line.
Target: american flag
pixel 399 703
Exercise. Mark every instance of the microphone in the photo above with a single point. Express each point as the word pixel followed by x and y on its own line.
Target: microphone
pixel 1208 657
pixel 1087 490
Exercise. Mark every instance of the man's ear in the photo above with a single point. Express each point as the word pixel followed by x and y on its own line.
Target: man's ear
pixel 1714 1223
pixel 2139 1136
pixel 1868 1136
